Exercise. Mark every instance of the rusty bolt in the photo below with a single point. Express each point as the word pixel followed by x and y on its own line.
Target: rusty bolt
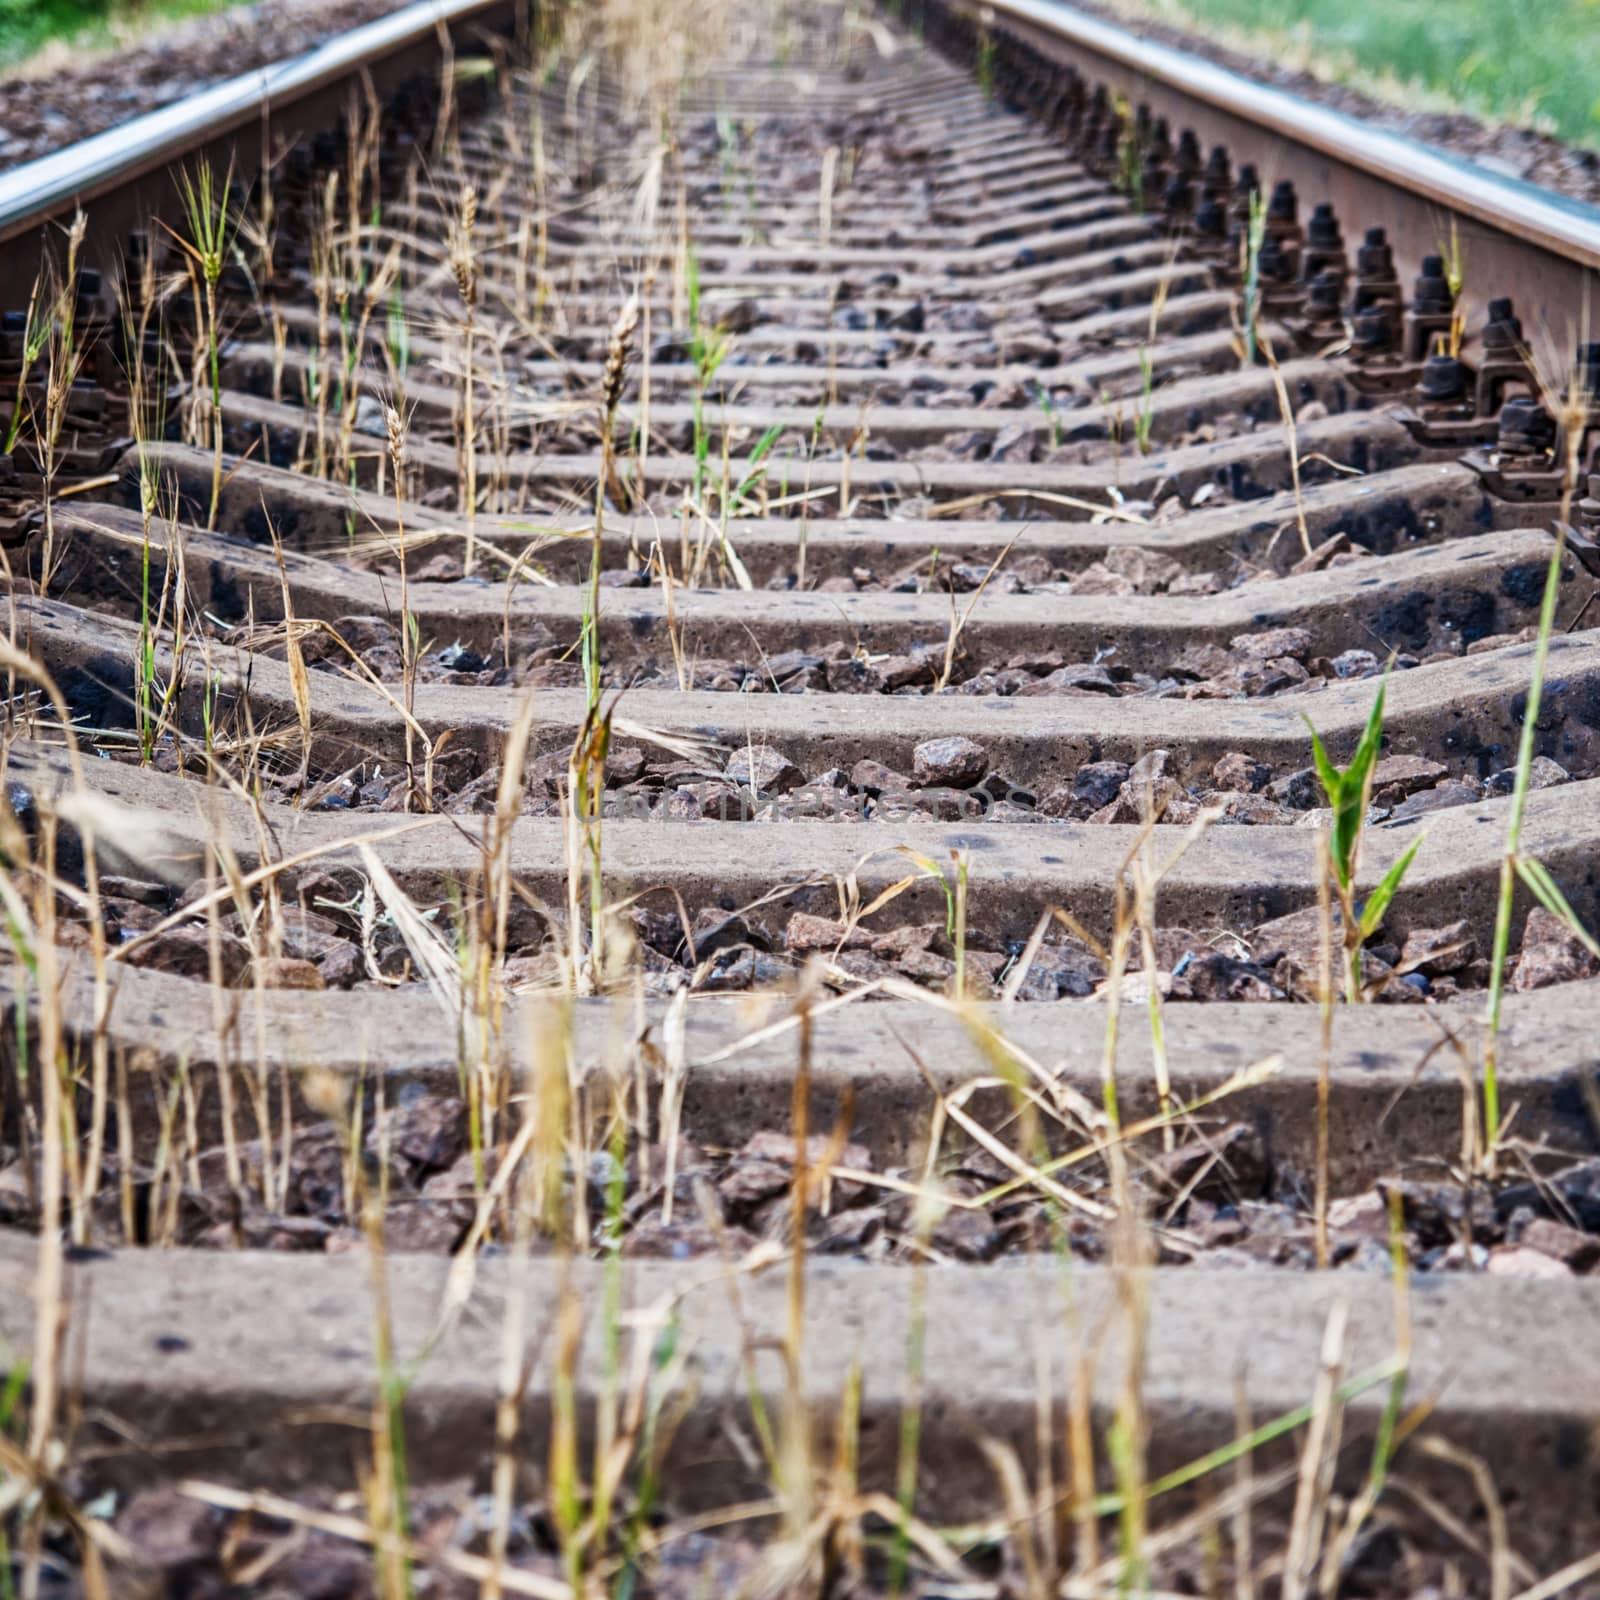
pixel 1526 428
pixel 1431 291
pixel 1444 381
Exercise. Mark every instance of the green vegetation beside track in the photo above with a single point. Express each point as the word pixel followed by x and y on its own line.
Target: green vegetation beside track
pixel 28 25
pixel 1528 62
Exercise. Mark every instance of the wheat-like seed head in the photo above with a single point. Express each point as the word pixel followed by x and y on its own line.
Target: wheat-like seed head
pixel 397 436
pixel 461 259
pixel 617 352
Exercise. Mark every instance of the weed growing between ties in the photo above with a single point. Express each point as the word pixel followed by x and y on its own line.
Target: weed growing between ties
pixel 1569 396
pixel 207 244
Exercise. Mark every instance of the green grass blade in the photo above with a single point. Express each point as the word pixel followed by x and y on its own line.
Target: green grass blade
pixel 757 456
pixel 1548 893
pixel 1372 913
pixel 1366 756
pixel 1328 775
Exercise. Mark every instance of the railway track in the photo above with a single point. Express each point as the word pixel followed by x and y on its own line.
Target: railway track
pixel 661 818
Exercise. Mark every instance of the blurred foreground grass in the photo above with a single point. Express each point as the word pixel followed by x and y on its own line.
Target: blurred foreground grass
pixel 1528 62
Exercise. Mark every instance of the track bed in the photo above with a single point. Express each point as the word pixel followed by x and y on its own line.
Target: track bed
pixel 668 879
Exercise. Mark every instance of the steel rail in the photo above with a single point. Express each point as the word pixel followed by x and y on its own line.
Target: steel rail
pixel 34 194
pixel 1555 222
pixel 1531 243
